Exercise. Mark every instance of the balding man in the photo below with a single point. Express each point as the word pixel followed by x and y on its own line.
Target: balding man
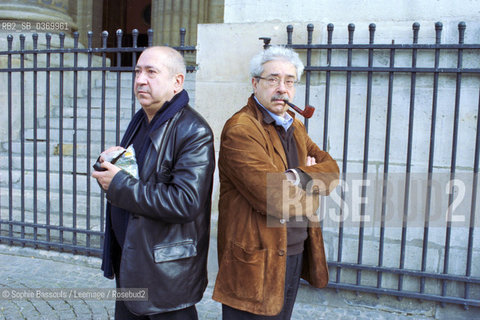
pixel 157 226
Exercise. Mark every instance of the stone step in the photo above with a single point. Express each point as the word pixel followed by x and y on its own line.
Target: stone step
pixel 110 103
pixel 83 209
pixel 127 81
pixel 95 208
pixel 54 235
pixel 111 80
pixel 68 136
pixel 126 92
pixel 54 161
pixel 29 176
pixel 81 134
pixel 82 148
pixel 110 112
pixel 82 124
pixel 54 220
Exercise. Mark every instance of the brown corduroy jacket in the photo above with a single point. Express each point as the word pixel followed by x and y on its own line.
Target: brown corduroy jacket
pixel 255 200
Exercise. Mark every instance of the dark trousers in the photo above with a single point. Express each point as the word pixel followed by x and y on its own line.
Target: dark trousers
pixel 292 281
pixel 122 312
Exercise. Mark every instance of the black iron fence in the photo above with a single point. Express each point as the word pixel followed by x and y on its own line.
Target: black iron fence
pixel 386 109
pixel 62 103
pixel 407 112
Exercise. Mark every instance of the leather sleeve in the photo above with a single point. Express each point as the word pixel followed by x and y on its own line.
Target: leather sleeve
pixel 177 194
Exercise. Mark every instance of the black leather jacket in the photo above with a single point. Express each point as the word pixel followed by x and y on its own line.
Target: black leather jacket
pixel 166 242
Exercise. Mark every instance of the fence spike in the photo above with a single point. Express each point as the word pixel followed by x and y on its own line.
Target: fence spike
pixel 10 42
pixel 351 30
pixel 61 35
pixel 310 33
pixel 119 38
pixel 104 39
pixel 182 37
pixel 438 32
pixel 330 28
pixel 89 37
pixel 416 28
pixel 135 38
pixel 461 31
pixel 22 41
pixel 150 37
pixel 48 36
pixel 76 35
pixel 289 34
pixel 371 29
pixel 35 40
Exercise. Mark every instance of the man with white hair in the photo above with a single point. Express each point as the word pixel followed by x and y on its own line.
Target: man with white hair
pixel 266 242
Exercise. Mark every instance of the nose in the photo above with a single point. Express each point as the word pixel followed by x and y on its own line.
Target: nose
pixel 282 87
pixel 140 77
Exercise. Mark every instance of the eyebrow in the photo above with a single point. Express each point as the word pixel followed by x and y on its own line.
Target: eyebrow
pixel 278 75
pixel 148 66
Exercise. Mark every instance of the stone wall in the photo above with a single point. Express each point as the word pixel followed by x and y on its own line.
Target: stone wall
pixel 223 85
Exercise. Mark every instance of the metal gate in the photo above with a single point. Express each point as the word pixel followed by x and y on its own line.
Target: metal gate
pixel 64 103
pixel 372 100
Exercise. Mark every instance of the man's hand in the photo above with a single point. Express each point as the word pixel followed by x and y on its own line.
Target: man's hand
pixel 311 161
pixel 105 177
pixel 292 175
pixel 111 149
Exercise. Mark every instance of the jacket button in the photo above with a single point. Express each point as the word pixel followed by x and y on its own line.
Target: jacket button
pixel 281 252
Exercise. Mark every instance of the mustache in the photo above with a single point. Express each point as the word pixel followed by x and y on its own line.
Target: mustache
pixel 143 89
pixel 280 97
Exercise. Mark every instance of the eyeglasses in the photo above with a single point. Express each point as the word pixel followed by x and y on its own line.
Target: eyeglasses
pixel 275 81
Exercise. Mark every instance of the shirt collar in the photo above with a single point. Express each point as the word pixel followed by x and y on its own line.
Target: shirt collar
pixel 279 121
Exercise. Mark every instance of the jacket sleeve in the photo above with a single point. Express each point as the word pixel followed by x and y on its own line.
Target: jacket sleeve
pixel 188 189
pixel 247 163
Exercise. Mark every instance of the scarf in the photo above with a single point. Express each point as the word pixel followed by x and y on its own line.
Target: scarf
pixel 166 112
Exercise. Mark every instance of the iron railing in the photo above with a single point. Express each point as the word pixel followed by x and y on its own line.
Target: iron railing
pixel 79 104
pixel 64 104
pixel 330 68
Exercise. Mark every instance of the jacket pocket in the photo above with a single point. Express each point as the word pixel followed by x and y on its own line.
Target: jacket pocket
pixel 247 272
pixel 174 251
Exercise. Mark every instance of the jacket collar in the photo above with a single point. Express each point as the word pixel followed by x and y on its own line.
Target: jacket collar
pixel 171 109
pixel 255 110
pixel 158 139
pixel 270 117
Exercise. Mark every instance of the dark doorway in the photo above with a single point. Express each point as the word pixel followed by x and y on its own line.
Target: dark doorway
pixel 126 15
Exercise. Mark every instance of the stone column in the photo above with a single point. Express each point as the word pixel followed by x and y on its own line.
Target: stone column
pixel 88 14
pixel 40 13
pixel 41 17
pixel 168 16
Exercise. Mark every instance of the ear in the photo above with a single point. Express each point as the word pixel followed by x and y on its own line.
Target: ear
pixel 179 80
pixel 254 84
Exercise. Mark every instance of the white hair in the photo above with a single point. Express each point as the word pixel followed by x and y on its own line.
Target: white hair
pixel 273 53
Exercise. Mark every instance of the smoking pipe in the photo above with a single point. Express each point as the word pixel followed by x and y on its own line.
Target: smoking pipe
pixel 307 112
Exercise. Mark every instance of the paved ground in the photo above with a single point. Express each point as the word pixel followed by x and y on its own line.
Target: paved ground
pixel 25 268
